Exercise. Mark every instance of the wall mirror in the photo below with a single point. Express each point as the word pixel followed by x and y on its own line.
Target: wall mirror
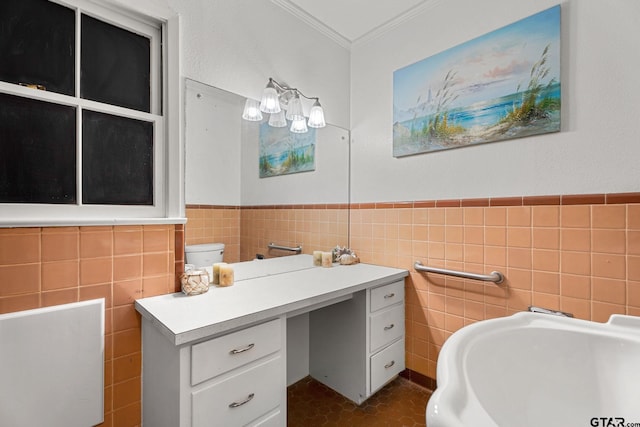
pixel 228 202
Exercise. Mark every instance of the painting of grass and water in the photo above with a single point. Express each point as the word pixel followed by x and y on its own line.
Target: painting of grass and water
pixel 502 85
pixel 283 152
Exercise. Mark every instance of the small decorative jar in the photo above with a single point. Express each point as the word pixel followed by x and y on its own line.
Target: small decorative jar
pixel 194 282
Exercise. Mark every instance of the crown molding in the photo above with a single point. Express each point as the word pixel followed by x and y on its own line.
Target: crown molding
pixel 365 38
pixel 313 22
pixel 396 21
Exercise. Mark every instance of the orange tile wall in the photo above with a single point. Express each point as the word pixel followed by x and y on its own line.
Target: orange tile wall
pixel 575 253
pixel 41 267
pixel 214 224
pixel 555 252
pixel 247 231
pixel 313 227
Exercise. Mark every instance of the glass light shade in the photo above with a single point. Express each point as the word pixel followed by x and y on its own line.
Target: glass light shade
pixel 299 126
pixel 294 110
pixel 270 101
pixel 252 110
pixel 277 120
pixel 316 116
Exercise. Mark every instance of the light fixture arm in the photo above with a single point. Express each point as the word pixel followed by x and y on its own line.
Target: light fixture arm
pixel 281 88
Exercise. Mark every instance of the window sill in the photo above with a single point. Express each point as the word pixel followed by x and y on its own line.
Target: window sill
pixel 70 222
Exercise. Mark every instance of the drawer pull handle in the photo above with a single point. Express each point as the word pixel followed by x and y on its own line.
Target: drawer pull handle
pixel 390 364
pixel 237 404
pixel 386 328
pixel 391 295
pixel 242 350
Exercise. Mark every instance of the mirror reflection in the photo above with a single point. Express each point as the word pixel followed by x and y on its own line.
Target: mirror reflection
pixel 248 184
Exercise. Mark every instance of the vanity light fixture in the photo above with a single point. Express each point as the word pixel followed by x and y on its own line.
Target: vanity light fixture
pixel 278 120
pixel 252 110
pixel 270 100
pixel 294 109
pixel 316 116
pixel 299 126
pixel 278 97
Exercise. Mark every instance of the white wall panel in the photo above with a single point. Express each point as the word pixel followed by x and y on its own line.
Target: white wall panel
pixel 596 152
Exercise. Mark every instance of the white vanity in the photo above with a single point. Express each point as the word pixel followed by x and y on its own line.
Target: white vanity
pixel 221 358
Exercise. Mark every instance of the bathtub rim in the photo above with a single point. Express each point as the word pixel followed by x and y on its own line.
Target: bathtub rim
pixel 443 411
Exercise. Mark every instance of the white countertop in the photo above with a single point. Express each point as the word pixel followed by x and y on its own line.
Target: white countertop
pixel 183 319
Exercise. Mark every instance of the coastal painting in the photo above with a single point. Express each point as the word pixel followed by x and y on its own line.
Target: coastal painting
pixel 502 85
pixel 284 152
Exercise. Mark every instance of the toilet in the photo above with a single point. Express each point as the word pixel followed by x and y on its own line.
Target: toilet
pixel 204 255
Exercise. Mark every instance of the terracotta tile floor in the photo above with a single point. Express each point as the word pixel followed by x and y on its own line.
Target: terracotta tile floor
pixel 401 403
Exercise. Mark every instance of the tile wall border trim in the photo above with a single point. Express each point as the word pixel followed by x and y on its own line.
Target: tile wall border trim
pixel 230 207
pixel 297 206
pixel 550 200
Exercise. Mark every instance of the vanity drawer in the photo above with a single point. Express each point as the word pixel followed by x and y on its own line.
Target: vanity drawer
pixel 386 364
pixel 241 398
pixel 219 355
pixel 387 295
pixel 273 420
pixel 386 326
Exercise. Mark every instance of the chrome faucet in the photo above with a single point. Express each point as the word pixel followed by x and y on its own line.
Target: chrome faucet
pixel 534 309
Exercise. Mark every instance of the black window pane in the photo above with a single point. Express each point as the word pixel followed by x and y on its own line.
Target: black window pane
pixel 37 151
pixel 37 44
pixel 115 65
pixel 117 160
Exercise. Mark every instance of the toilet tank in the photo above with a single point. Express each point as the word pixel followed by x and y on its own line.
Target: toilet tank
pixel 204 255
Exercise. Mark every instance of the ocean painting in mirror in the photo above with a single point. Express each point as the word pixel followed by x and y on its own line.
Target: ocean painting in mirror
pixel 284 152
pixel 502 85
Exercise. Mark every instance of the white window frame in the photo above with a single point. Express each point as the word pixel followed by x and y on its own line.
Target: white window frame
pixel 161 25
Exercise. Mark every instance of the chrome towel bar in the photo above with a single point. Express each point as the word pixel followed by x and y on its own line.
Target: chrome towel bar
pixel 495 276
pixel 297 249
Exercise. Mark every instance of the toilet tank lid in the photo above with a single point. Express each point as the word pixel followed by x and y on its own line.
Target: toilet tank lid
pixel 205 247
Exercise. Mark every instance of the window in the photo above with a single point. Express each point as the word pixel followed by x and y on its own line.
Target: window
pixel 84 95
pixel 34 170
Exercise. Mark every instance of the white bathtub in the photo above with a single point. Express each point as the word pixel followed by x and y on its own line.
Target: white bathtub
pixel 539 370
